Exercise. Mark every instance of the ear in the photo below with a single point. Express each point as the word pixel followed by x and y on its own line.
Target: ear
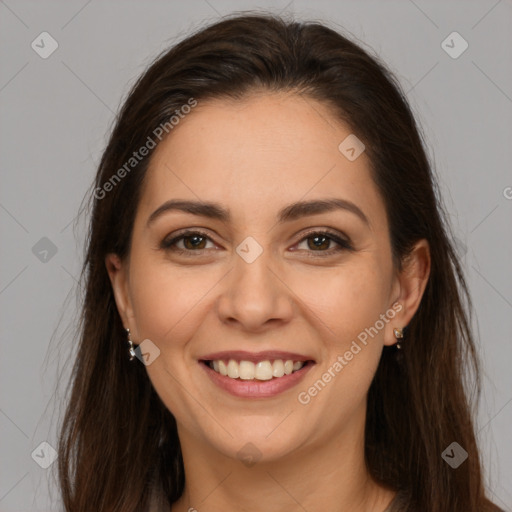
pixel 408 288
pixel 118 274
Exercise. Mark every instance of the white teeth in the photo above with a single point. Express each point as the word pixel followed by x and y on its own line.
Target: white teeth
pixel 297 365
pixel 263 370
pixel 278 368
pixel 222 368
pixel 246 370
pixel 233 369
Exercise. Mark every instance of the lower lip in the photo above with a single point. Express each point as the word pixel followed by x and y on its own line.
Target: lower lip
pixel 257 388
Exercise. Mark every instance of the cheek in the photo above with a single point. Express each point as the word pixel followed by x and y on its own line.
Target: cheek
pixel 348 304
pixel 169 305
pixel 366 302
pixel 346 299
pixel 167 299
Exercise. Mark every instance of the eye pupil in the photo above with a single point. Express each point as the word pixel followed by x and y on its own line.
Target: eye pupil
pixel 196 242
pixel 316 241
pixel 197 239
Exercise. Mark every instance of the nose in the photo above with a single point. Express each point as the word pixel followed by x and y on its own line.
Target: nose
pixel 255 297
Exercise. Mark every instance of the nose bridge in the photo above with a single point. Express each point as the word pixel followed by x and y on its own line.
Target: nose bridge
pixel 253 263
pixel 254 294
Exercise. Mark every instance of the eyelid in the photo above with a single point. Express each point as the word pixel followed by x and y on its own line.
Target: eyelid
pixel 343 241
pixel 167 242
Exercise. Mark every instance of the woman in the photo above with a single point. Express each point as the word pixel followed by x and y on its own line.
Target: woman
pixel 275 317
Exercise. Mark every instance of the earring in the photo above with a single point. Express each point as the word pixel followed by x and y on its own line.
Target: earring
pixel 399 334
pixel 130 342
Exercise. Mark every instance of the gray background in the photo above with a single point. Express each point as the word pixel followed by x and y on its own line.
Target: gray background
pixel 56 112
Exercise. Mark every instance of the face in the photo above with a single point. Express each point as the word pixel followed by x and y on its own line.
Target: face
pixel 264 282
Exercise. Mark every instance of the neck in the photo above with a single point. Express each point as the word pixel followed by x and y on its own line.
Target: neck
pixel 319 476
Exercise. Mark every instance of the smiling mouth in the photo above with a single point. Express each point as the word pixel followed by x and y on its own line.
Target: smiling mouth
pixel 265 370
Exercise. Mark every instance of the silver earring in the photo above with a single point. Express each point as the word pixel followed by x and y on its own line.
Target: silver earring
pixel 131 350
pixel 399 334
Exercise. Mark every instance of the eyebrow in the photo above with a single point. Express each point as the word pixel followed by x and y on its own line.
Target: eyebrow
pixel 289 213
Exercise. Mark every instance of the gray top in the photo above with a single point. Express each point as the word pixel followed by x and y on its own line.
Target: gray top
pixel 399 502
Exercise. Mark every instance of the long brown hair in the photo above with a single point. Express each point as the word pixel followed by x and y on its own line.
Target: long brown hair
pixel 118 442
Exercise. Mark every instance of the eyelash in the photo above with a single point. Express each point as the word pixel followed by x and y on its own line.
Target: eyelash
pixel 343 244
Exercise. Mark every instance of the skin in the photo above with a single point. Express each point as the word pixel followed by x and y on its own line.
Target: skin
pixel 254 157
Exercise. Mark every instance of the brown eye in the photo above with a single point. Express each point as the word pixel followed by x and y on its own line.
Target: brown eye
pixel 192 241
pixel 319 242
pixel 322 241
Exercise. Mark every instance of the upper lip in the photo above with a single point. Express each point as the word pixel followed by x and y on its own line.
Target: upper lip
pixel 242 355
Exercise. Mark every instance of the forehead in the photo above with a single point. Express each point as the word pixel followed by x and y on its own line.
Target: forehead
pixel 265 150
